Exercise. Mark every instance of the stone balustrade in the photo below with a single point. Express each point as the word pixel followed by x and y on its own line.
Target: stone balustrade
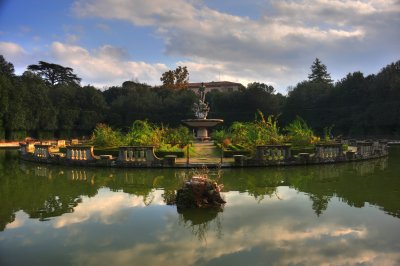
pixel 328 152
pixel 143 156
pixel 80 153
pixel 42 151
pixel 380 148
pixel 137 155
pixel 364 148
pixel 273 153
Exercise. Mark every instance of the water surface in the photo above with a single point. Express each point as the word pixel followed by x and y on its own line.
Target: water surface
pixel 343 214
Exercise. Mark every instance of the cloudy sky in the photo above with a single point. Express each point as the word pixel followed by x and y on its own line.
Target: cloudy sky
pixel 107 42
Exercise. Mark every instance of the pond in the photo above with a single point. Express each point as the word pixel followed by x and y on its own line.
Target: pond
pixel 343 214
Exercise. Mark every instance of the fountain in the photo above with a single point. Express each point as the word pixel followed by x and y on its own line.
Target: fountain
pixel 201 123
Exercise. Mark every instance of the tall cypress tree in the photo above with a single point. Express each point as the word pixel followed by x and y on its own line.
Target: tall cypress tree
pixel 319 73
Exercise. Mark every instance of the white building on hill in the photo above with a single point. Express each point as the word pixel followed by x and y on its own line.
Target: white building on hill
pixel 222 86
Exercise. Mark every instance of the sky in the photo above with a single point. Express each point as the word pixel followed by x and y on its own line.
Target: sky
pixel 108 42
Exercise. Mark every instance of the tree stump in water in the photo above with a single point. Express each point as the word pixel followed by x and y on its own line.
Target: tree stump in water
pixel 199 192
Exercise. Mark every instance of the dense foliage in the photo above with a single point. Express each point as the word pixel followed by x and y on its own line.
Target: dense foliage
pixel 48 101
pixel 142 133
pixel 265 131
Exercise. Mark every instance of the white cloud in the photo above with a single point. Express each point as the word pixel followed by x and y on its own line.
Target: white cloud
pixel 105 207
pixel 105 66
pixel 288 36
pixel 12 51
pixel 19 221
pixel 143 13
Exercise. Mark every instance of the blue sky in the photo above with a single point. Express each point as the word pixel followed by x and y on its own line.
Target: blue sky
pixel 108 42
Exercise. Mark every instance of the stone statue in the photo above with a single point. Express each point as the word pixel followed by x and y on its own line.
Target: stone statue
pixel 201 108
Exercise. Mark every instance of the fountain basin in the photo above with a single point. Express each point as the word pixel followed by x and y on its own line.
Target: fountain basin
pixel 201 126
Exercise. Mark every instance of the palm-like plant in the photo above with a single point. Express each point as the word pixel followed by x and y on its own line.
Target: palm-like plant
pixel 300 133
pixel 259 132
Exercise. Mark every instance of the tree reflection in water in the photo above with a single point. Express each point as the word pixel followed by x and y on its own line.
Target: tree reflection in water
pixel 199 220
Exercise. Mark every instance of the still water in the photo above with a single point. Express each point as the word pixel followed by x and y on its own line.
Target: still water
pixel 344 214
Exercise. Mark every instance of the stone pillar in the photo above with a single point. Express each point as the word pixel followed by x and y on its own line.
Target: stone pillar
pixel 202 133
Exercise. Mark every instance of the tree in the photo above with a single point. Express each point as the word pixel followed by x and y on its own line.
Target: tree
pixel 256 85
pixel 176 79
pixel 6 85
pixel 55 74
pixel 6 68
pixel 319 73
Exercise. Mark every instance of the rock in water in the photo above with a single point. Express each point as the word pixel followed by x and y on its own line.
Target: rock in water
pixel 199 192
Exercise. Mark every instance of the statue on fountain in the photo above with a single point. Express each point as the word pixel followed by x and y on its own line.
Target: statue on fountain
pixel 201 108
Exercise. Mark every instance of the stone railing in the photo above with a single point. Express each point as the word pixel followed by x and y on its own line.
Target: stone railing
pixel 80 153
pixel 328 152
pixel 137 155
pixel 380 148
pixel 42 151
pixel 273 153
pixel 143 156
pixel 364 148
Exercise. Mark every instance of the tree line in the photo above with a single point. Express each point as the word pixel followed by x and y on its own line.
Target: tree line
pixel 48 101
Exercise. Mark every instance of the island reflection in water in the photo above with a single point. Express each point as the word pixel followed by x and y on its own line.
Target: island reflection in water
pixel 345 213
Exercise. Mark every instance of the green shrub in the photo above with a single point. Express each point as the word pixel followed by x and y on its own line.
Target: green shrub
pixel 144 133
pixel 300 134
pixel 105 136
pixel 219 135
pixel 259 132
pixel 180 135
